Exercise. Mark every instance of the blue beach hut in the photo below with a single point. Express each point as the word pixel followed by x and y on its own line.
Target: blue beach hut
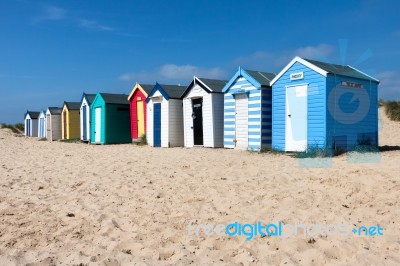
pixel 247 110
pixel 321 105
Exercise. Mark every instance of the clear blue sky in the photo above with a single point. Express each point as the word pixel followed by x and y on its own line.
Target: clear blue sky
pixel 51 51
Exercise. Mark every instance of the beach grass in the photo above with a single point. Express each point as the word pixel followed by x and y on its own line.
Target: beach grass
pixel 15 128
pixel 392 109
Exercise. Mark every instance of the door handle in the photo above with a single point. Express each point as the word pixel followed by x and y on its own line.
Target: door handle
pixel 289 115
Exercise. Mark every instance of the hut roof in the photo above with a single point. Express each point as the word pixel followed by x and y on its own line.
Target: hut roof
pixel 174 91
pixel 33 114
pixel 73 105
pixel 55 110
pixel 341 70
pixel 264 78
pixel 215 85
pixel 115 98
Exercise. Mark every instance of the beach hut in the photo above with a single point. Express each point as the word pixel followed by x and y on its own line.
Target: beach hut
pixel 53 123
pixel 31 123
pixel 110 119
pixel 138 109
pixel 203 113
pixel 70 120
pixel 321 105
pixel 247 110
pixel 42 125
pixel 165 116
pixel 84 114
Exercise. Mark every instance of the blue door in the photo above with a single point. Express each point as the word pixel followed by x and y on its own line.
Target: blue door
pixel 28 127
pixel 41 127
pixel 157 124
pixel 84 130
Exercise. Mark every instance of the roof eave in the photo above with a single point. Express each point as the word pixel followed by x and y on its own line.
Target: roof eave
pixel 247 76
pixel 301 61
pixel 372 78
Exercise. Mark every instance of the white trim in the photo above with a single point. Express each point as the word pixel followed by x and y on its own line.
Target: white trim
pixel 302 61
pixel 364 74
pixel 295 85
pixel 200 81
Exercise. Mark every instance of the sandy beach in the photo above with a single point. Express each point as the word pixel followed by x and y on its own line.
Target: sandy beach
pixel 74 203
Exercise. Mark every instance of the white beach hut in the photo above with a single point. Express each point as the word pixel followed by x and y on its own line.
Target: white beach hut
pixel 31 123
pixel 53 123
pixel 84 114
pixel 165 116
pixel 42 125
pixel 203 113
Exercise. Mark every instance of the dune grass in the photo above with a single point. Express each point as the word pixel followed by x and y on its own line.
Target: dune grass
pixel 143 140
pixel 392 109
pixel 16 128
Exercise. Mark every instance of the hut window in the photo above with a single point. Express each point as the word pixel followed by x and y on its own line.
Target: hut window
pixel 122 109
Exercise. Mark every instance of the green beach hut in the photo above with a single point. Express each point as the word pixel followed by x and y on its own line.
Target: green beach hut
pixel 110 123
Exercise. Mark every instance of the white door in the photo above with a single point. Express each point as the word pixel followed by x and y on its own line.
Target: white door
pixel 97 128
pixel 241 117
pixel 296 118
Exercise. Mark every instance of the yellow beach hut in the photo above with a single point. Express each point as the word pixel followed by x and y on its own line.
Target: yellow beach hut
pixel 70 124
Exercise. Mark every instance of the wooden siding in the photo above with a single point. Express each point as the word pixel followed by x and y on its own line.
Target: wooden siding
pixel 164 123
pixel 149 118
pixel 42 125
pixel 53 127
pixel 218 119
pixel 33 127
pixel 72 123
pixel 88 117
pixel 208 128
pixel 266 117
pixel 316 116
pixel 117 124
pixel 212 113
pixel 188 122
pixel 171 122
pixel 242 135
pixel 229 120
pixel 138 94
pixel 175 123
pixel 254 114
pixel 98 102
pixel 347 124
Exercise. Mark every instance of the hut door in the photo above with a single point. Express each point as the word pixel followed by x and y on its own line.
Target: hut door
pixel 296 118
pixel 140 118
pixel 97 125
pixel 28 127
pixel 41 127
pixel 197 115
pixel 48 128
pixel 241 130
pixel 65 124
pixel 84 123
pixel 157 124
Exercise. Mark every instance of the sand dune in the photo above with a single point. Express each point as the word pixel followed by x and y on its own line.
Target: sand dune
pixel 124 204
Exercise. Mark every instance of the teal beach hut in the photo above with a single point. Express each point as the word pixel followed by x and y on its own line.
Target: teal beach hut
pixel 110 123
